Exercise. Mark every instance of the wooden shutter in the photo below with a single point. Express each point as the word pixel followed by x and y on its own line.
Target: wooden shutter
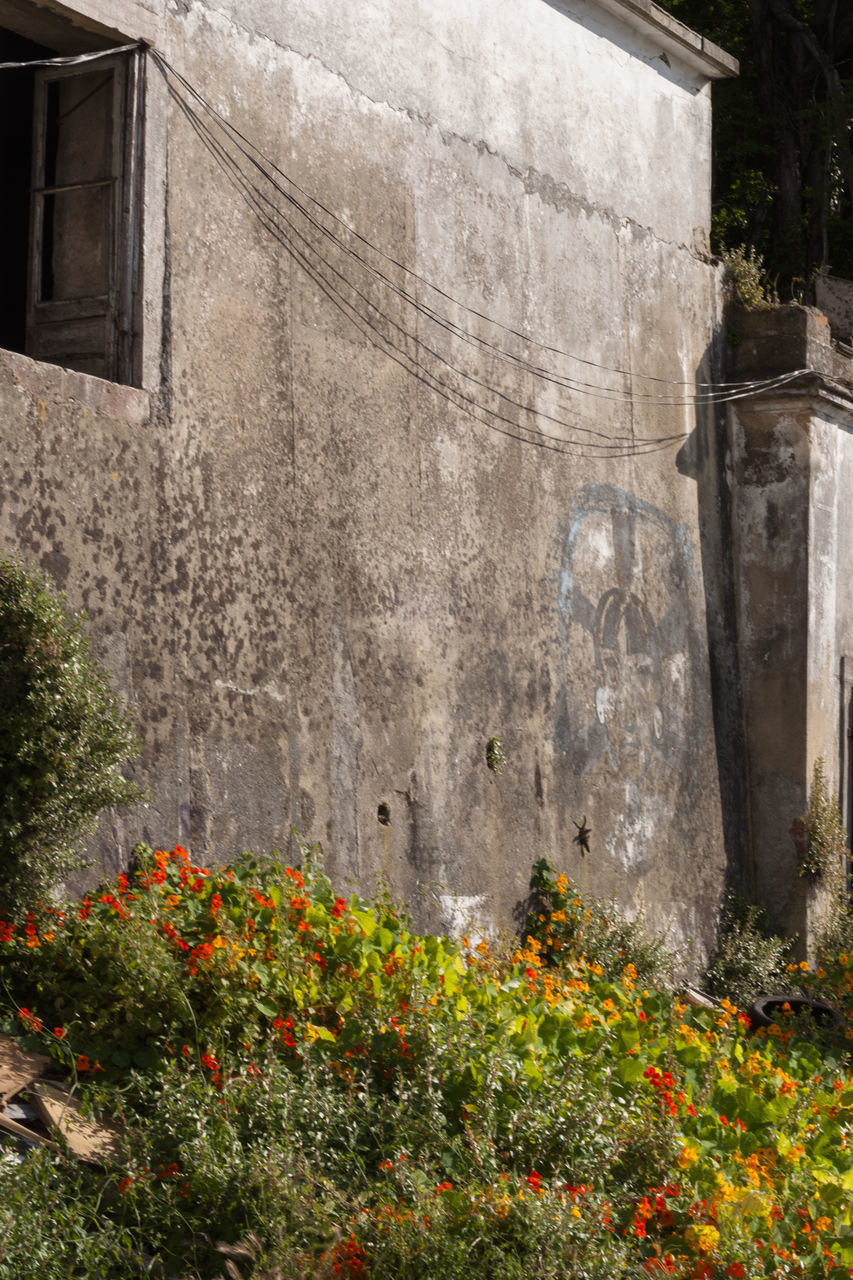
pixel 84 216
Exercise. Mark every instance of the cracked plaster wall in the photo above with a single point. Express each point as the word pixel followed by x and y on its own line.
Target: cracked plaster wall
pixel 326 586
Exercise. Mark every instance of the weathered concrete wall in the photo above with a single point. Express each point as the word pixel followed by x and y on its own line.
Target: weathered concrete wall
pixel 835 299
pixel 792 463
pixel 325 584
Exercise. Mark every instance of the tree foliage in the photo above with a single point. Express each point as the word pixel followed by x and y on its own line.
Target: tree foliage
pixel 783 167
pixel 63 736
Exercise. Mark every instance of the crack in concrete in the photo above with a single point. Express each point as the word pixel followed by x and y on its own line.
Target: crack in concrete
pixel 550 190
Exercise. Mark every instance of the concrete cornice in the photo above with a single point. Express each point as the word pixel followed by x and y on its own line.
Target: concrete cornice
pixel 675 38
pixel 775 341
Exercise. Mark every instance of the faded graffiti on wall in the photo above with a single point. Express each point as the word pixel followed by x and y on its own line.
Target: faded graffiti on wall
pixel 625 720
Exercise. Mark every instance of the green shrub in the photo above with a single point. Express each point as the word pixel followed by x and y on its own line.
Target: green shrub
pixel 750 960
pixel 63 737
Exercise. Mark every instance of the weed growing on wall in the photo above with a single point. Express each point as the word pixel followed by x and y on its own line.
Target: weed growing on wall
pixel 746 278
pixel 309 1089
pixel 825 837
pixel 63 737
pixel 496 758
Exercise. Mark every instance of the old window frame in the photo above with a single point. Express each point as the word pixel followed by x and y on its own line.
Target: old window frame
pixel 65 331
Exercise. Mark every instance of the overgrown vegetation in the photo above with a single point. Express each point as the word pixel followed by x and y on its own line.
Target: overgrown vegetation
pixel 783 163
pixel 310 1089
pixel 65 737
pixel 751 960
pixel 746 278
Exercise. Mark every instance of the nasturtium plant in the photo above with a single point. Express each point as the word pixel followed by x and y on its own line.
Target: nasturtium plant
pixel 340 1095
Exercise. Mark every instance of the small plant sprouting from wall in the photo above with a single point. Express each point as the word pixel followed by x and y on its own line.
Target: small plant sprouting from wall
pixel 825 837
pixel 496 757
pixel 747 279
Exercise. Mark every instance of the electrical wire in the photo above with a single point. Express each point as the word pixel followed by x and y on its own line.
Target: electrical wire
pixel 716 393
pixel 267 168
pixel 453 395
pixel 71 60
pixel 270 217
pixel 267 212
pixel 256 200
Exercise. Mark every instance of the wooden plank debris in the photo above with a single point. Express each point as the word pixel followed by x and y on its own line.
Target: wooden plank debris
pixel 87 1139
pixel 17 1068
pixel 21 1131
pixel 61 1115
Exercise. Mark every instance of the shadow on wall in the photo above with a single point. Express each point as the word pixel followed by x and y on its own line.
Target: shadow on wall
pixel 702 458
pixel 626 584
pixel 633 730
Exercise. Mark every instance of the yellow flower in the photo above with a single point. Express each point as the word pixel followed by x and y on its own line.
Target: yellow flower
pixel 688 1155
pixel 702 1237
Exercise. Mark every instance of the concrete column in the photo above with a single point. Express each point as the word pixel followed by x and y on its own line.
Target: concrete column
pixel 791 465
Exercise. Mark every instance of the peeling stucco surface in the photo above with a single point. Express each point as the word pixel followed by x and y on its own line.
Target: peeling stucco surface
pixel 325 586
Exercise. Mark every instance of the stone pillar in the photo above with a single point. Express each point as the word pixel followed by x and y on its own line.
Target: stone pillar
pixel 791 471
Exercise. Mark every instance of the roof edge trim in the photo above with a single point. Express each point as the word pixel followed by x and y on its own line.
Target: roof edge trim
pixel 700 54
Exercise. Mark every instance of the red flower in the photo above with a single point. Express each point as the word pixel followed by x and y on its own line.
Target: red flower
pixel 30 1021
pixel 339 907
pixel 215 903
pixel 737 1271
pixel 59 1032
pixel 123 1185
pixel 534 1180
pixel 443 1186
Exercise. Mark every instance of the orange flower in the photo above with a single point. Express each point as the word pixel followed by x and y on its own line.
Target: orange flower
pixel 83 1063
